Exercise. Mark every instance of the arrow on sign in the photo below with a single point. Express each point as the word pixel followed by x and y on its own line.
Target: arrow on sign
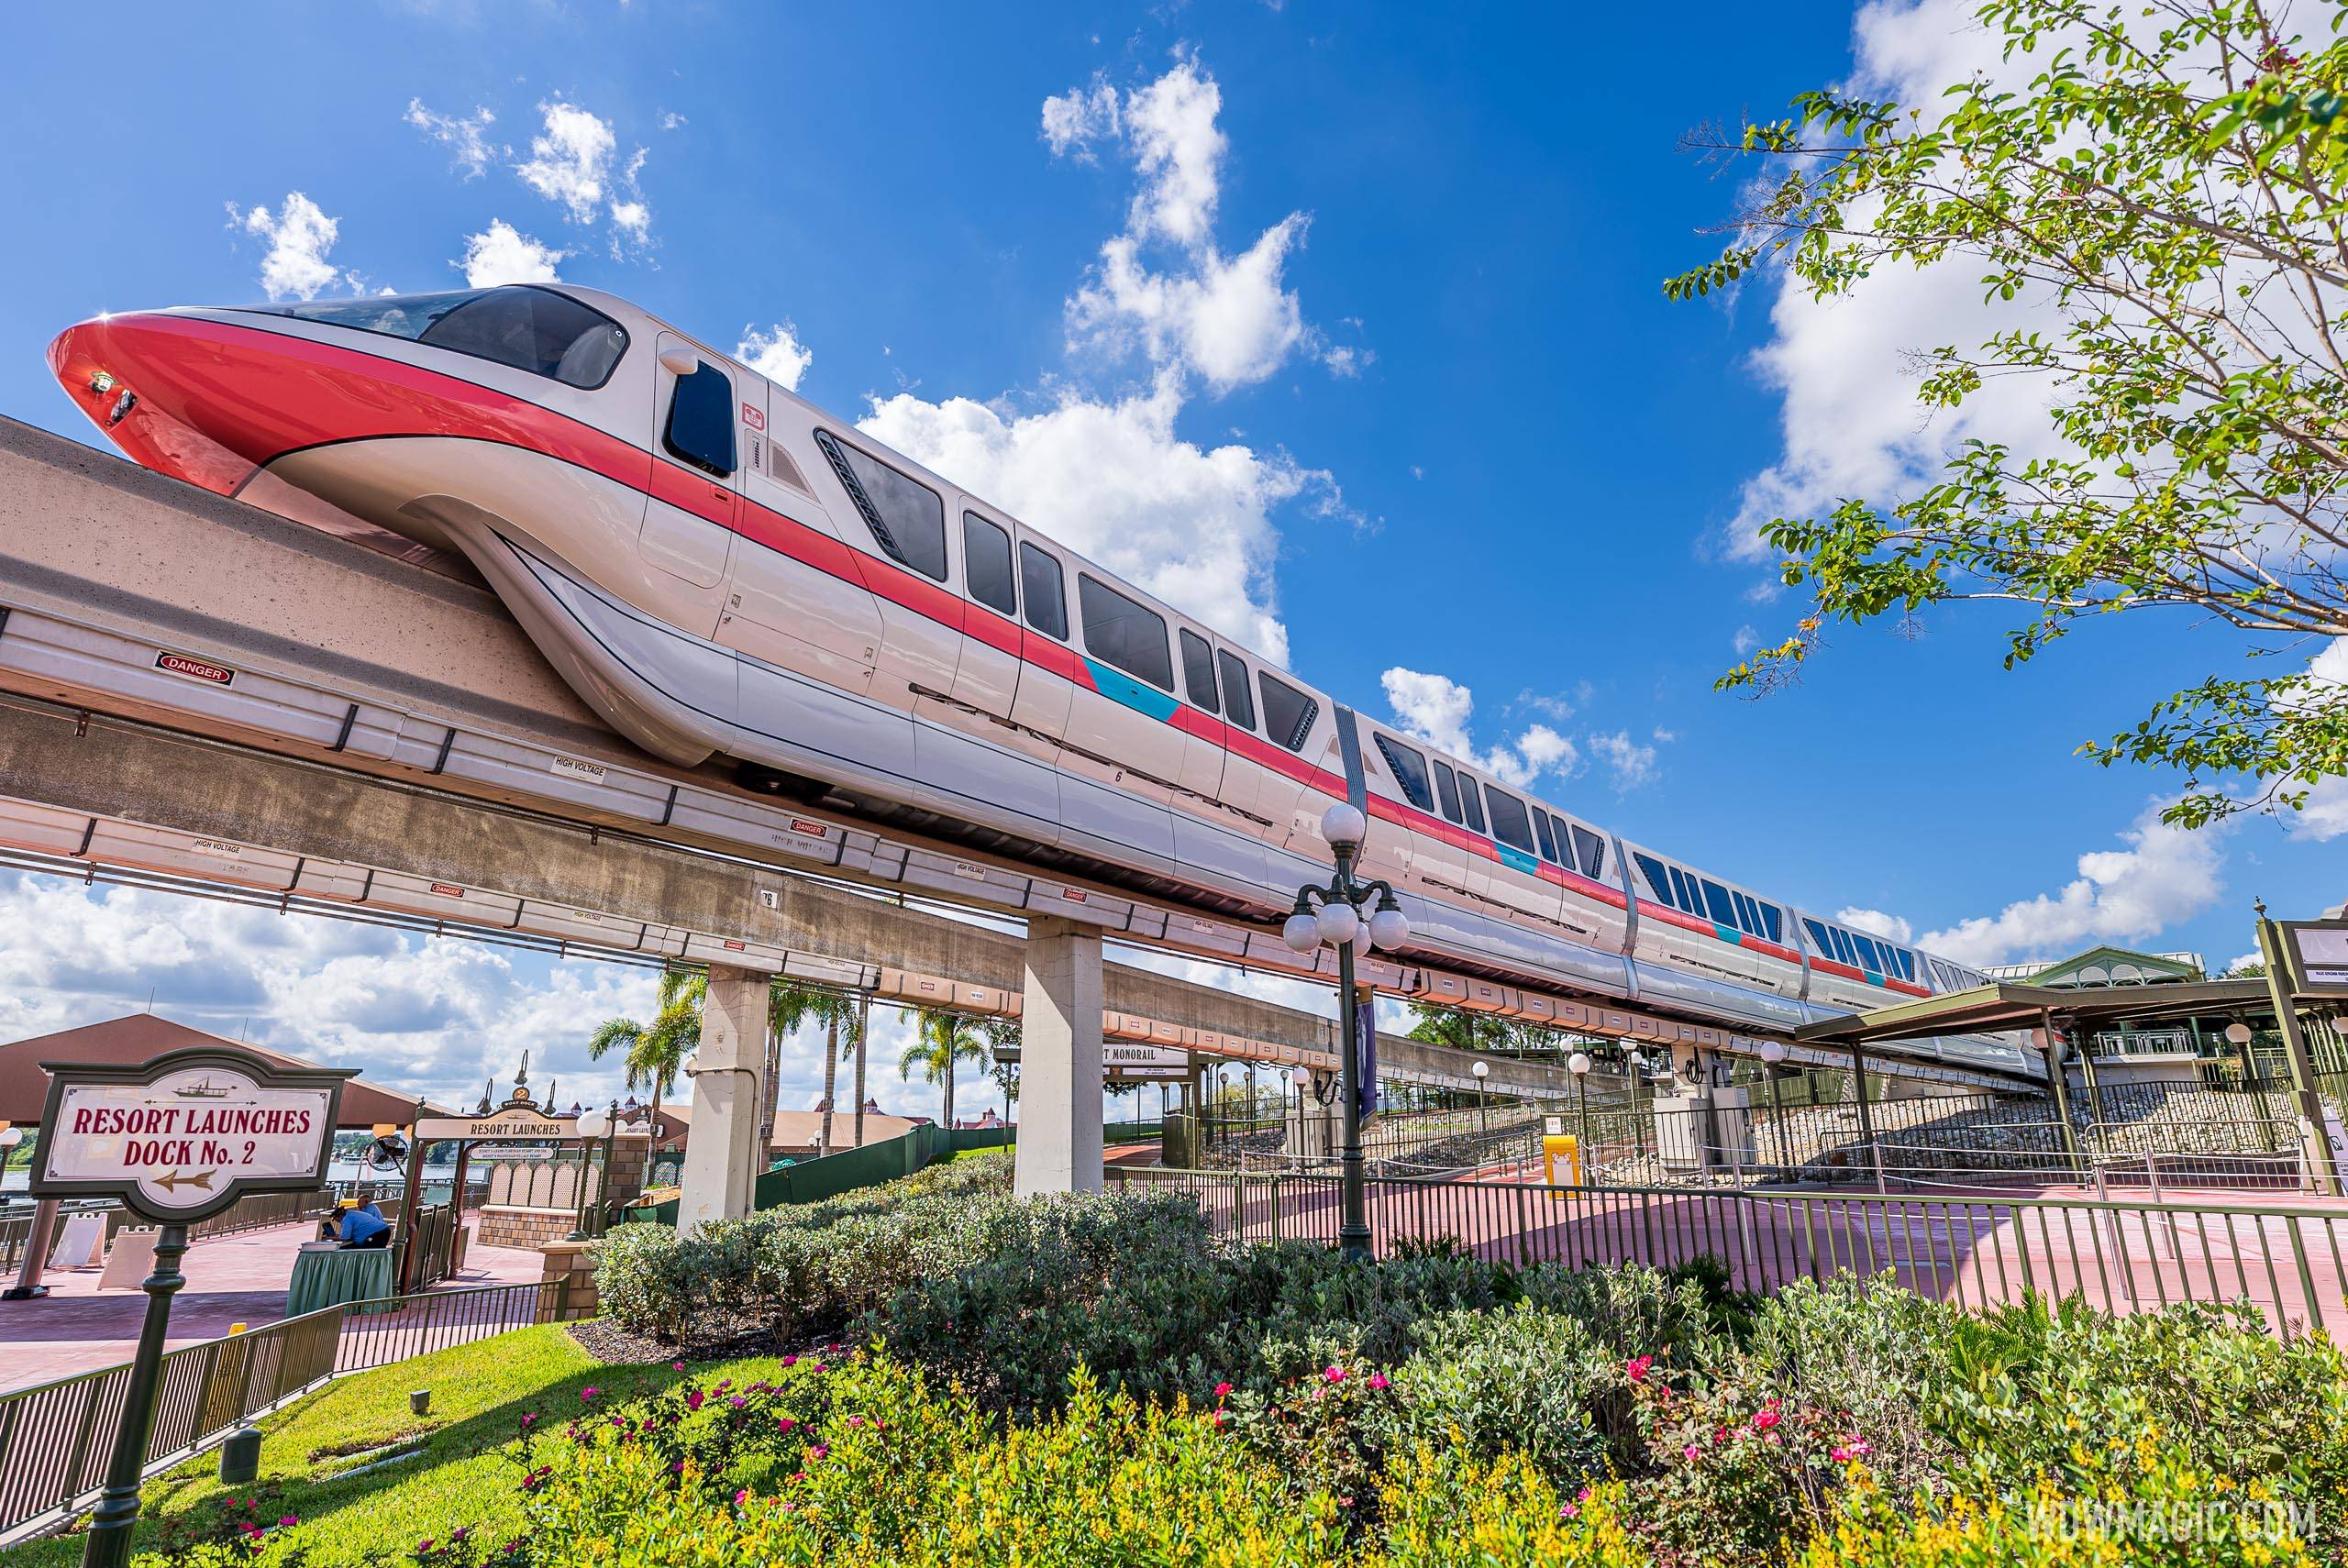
pixel 174 1181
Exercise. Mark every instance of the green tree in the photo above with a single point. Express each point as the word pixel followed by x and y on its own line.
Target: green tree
pixel 655 1053
pixel 2171 182
pixel 1480 1032
pixel 940 1041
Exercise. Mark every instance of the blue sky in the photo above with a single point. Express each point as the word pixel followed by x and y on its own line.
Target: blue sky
pixel 1387 372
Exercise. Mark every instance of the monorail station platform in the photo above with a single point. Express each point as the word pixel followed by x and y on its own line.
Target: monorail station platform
pixel 230 1280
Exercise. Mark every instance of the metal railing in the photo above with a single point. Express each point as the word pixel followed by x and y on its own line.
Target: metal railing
pixel 1978 1252
pixel 55 1439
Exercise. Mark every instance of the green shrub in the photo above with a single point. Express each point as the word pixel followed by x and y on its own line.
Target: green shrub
pixel 1521 1378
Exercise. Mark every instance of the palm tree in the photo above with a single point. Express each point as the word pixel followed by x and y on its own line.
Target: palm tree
pixel 653 1054
pixel 790 1007
pixel 940 1040
pixel 657 1051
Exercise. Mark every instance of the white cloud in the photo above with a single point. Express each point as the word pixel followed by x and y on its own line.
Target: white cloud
pixel 1189 523
pixel 570 161
pixel 2164 874
pixel 502 254
pixel 1077 117
pixel 1175 144
pixel 2324 817
pixel 1226 318
pixel 1850 422
pixel 466 138
pixel 1230 319
pixel 1746 640
pixel 776 353
pixel 1875 923
pixel 299 236
pixel 1632 763
pixel 1436 709
pixel 428 1016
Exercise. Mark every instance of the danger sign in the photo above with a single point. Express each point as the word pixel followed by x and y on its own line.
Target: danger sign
pixel 188 1133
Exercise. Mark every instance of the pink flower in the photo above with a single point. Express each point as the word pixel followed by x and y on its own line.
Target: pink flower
pixel 292 1520
pixel 1377 1382
pixel 834 1349
pixel 589 1392
pixel 1582 1495
pixel 785 1424
pixel 1854 1449
pixel 855 1421
pixel 1688 1453
pixel 1222 1390
pixel 817 1449
pixel 821 1367
pixel 528 1417
pixel 737 1401
pixel 1766 1417
pixel 693 1401
pixel 1637 1368
pixel 676 1366
pixel 791 1361
pixel 1335 1375
pixel 741 1497
pixel 1569 1511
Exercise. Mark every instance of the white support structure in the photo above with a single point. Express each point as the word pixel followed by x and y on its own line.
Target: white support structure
pixel 722 1157
pixel 1059 1061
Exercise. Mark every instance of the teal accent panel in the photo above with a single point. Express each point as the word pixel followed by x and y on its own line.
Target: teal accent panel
pixel 1517 860
pixel 1730 935
pixel 1140 696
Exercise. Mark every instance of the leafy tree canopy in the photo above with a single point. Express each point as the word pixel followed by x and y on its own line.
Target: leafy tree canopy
pixel 2173 182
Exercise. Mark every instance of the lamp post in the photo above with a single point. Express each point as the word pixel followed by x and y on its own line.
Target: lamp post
pixel 1332 915
pixel 593 1125
pixel 1773 1052
pixel 1579 1065
pixel 1483 1119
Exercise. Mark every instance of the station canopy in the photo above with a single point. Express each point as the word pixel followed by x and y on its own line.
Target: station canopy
pixel 2006 1005
pixel 142 1036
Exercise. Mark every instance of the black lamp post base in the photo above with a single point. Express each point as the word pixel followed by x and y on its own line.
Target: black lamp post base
pixel 23 1293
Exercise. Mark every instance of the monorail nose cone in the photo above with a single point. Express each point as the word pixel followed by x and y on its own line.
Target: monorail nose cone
pixel 131 375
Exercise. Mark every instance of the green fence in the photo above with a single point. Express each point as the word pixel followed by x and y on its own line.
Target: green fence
pixel 812 1181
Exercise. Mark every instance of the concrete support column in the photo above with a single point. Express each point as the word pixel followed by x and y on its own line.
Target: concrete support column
pixel 722 1158
pixel 1059 1061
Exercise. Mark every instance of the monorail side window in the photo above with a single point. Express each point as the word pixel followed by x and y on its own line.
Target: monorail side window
pixel 1448 782
pixel 1717 904
pixel 1652 869
pixel 1240 703
pixel 701 420
pixel 1870 959
pixel 1198 669
pixel 905 515
pixel 1590 851
pixel 986 565
pixel 1288 712
pixel 1511 825
pixel 1818 937
pixel 1548 840
pixel 1046 591
pixel 1120 632
pixel 1775 922
pixel 1472 801
pixel 1410 771
pixel 523 326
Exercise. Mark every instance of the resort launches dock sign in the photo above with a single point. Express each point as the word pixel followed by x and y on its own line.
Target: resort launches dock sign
pixel 188 1133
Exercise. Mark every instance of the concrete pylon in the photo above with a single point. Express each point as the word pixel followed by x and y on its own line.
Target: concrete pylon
pixel 1059 1061
pixel 721 1154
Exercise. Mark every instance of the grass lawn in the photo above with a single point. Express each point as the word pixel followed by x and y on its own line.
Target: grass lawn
pixel 480 1393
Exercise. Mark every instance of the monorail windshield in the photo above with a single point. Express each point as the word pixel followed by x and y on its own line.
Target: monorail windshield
pixel 533 329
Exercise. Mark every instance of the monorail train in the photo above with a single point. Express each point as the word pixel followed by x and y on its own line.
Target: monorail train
pixel 719 567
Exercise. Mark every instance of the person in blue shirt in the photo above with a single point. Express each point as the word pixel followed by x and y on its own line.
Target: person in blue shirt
pixel 365 1227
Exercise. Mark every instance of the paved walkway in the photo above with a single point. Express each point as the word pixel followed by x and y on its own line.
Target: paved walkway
pixel 234 1279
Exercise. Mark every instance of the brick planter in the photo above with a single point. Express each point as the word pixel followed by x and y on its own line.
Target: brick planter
pixel 576 1259
pixel 515 1225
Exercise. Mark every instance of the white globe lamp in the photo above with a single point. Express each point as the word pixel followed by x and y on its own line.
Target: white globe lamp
pixel 1773 1052
pixel 1302 932
pixel 1578 1063
pixel 1337 923
pixel 1389 928
pixel 595 1123
pixel 1344 825
pixel 2239 1033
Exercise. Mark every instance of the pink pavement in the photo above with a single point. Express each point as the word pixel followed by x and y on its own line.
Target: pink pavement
pixel 235 1279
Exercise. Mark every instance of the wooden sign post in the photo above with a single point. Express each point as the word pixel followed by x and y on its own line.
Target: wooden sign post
pixel 174 1140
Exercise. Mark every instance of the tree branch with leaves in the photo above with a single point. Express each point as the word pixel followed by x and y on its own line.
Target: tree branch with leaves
pixel 2172 183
